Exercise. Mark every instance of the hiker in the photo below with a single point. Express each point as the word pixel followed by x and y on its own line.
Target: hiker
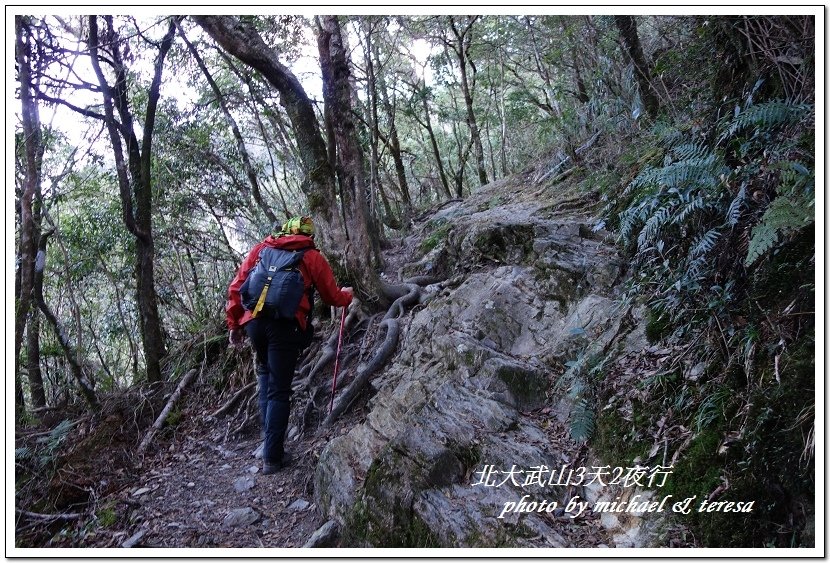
pixel 279 326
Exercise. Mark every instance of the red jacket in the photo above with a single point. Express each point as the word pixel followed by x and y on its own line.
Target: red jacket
pixel 314 268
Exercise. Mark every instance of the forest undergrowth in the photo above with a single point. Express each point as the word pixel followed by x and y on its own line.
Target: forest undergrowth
pixel 731 366
pixel 83 476
pixel 688 142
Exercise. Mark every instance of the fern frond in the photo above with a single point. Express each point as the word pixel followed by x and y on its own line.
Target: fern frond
pixel 763 238
pixel 634 216
pixel 647 177
pixel 733 214
pixel 653 226
pixel 667 135
pixel 687 210
pixel 766 116
pixel 582 422
pixel 796 177
pixel 690 173
pixel 57 434
pixel 697 268
pixel 704 243
pixel 628 219
pixel 784 215
pixel 578 386
pixel 689 151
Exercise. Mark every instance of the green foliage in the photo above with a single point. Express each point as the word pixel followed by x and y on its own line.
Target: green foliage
pixel 761 118
pixel 764 454
pixel 173 418
pixel 719 234
pixel 733 214
pixel 617 439
pixel 582 420
pixel 667 197
pixel 675 218
pixel 698 472
pixel 47 446
pixel 106 516
pixel 435 238
pixel 657 326
pixel 586 369
pixel 712 409
pixel 784 216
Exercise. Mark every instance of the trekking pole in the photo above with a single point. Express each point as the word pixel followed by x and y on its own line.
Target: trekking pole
pixel 337 357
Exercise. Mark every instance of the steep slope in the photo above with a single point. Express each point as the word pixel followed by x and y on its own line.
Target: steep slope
pixel 475 433
pixel 483 397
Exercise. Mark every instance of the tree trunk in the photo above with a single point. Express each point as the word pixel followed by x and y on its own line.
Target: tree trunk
pixel 542 70
pixel 337 94
pixel 427 124
pixel 372 119
pixel 581 89
pixel 463 155
pixel 628 31
pixel 69 351
pixel 33 335
pixel 395 150
pixel 136 189
pixel 33 361
pixel 33 151
pixel 347 248
pixel 463 147
pixel 392 141
pixel 503 139
pixel 19 399
pixel 460 47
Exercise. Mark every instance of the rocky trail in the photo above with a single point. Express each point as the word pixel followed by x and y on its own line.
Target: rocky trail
pixel 454 442
pixel 209 494
pixel 201 487
pixel 204 493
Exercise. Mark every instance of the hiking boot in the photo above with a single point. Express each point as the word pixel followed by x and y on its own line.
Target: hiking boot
pixel 271 468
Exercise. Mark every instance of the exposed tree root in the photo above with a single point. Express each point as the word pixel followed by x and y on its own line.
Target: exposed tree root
pixel 421 280
pixel 396 310
pixel 408 295
pixel 251 411
pixel 49 517
pixel 312 380
pixel 330 347
pixel 378 360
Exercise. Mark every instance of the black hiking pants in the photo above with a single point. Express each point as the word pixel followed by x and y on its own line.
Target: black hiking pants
pixel 277 344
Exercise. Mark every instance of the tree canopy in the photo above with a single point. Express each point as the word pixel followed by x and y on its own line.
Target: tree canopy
pixel 152 151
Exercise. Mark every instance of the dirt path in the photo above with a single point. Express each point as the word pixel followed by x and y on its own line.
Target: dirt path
pixel 205 493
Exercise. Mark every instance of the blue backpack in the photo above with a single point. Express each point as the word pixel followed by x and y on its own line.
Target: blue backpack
pixel 275 286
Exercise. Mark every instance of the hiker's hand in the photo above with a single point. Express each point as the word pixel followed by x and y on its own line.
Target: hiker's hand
pixel 236 338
